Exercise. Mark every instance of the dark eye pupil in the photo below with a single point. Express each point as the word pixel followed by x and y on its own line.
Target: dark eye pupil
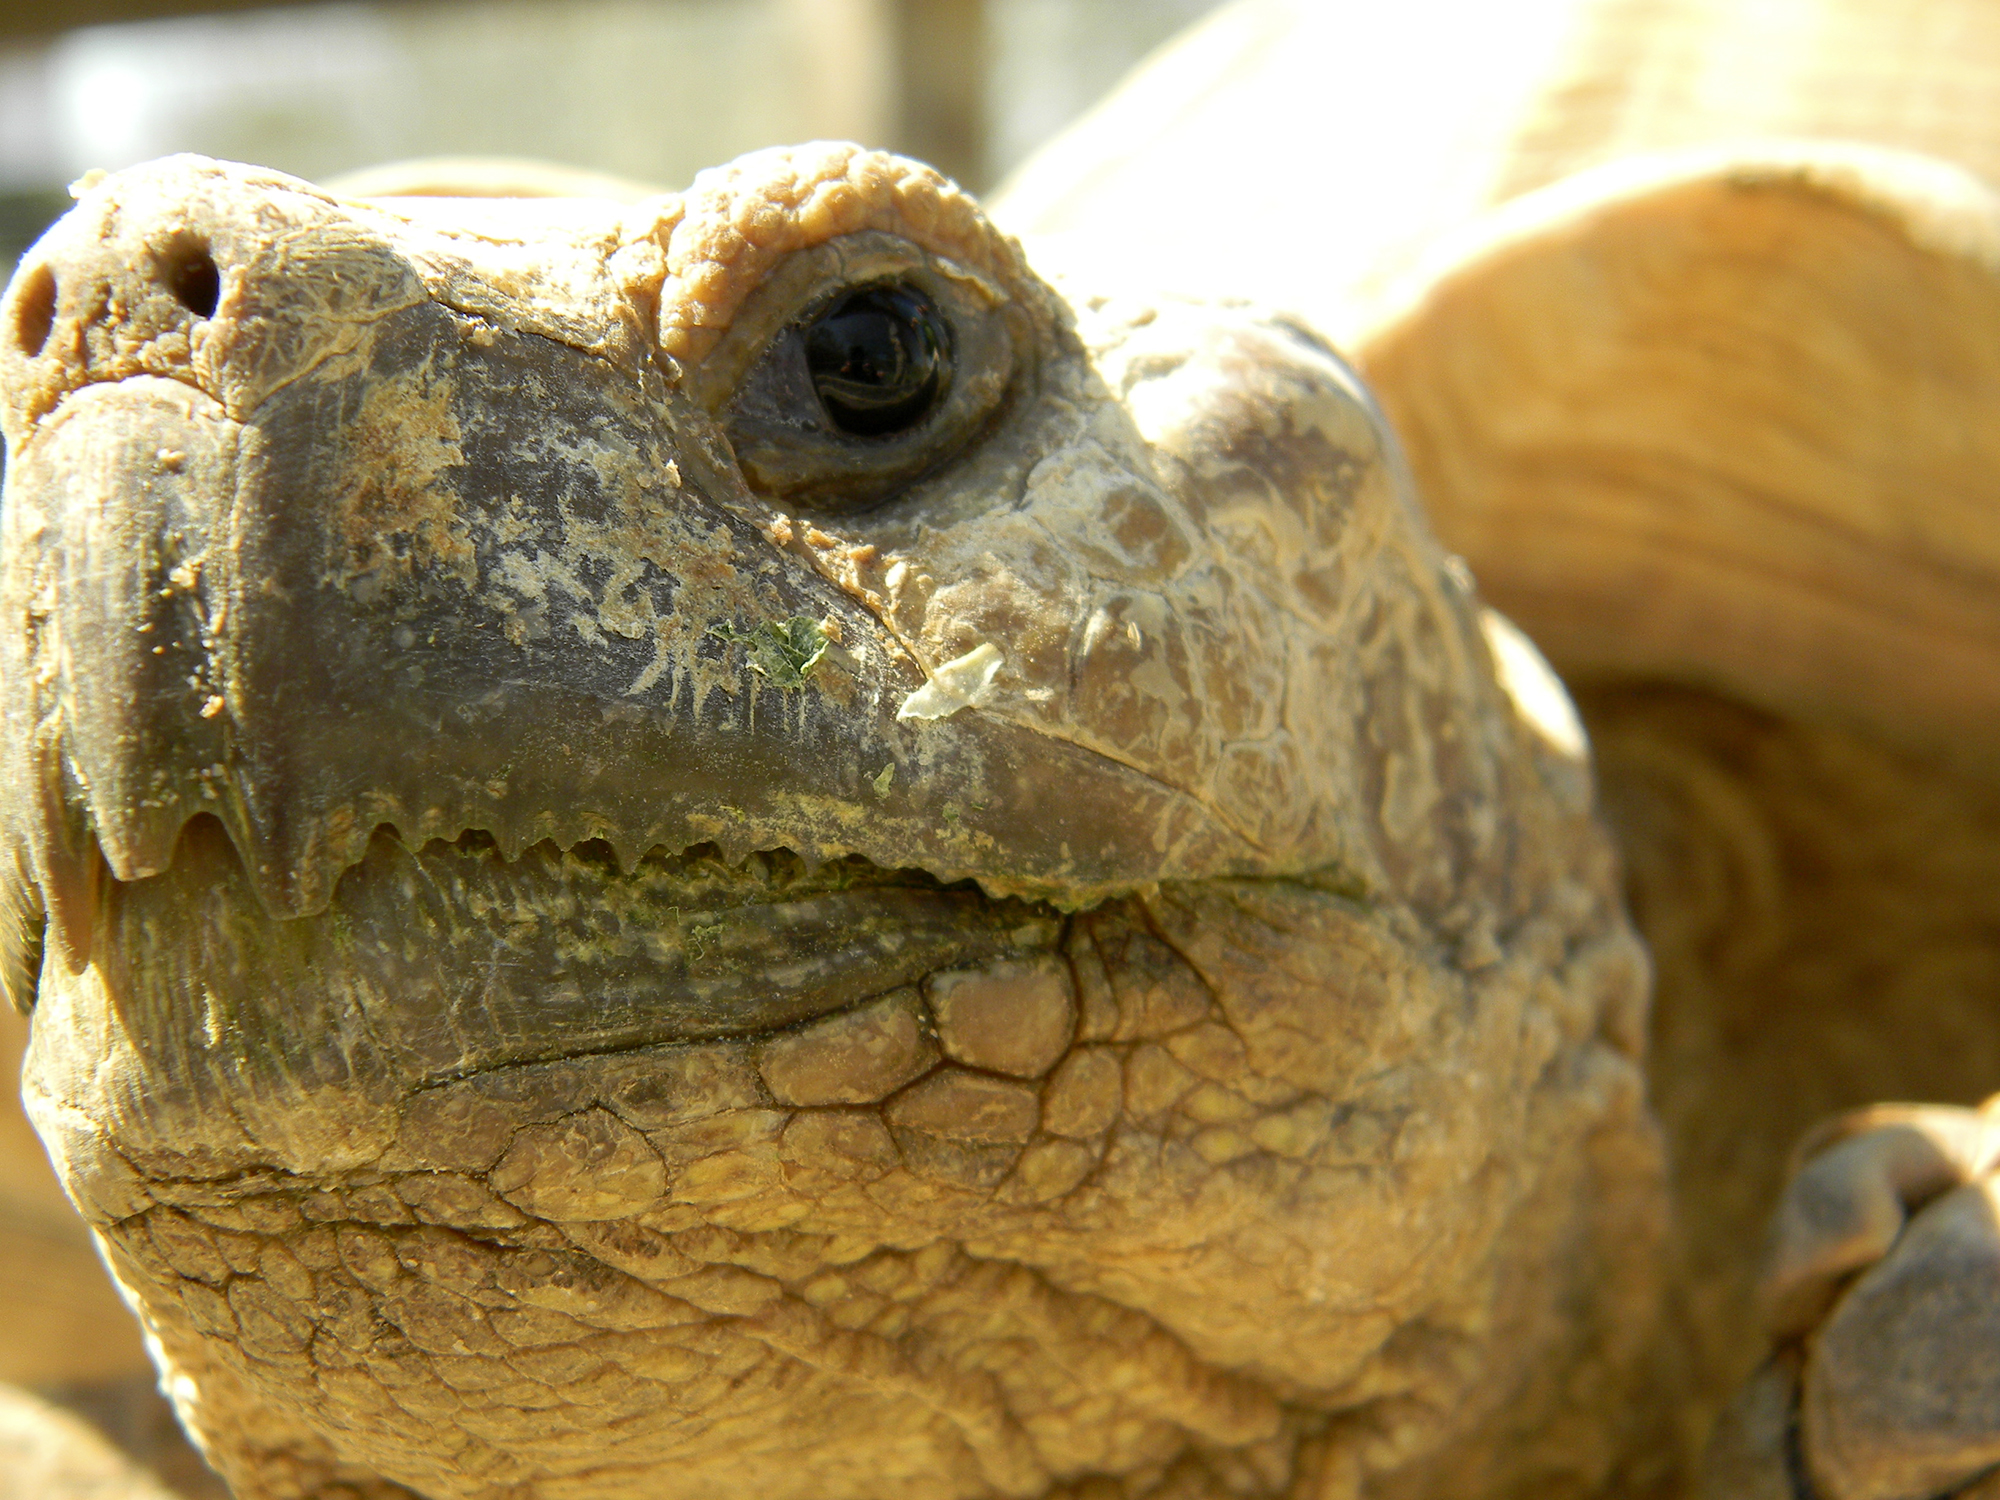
pixel 878 357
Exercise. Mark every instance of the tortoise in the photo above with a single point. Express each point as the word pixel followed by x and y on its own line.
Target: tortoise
pixel 719 840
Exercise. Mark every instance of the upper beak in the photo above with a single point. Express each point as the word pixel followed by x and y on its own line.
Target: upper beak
pixel 400 563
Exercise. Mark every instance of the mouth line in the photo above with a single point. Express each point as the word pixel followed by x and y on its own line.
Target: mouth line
pixel 777 869
pixel 79 881
pixel 458 961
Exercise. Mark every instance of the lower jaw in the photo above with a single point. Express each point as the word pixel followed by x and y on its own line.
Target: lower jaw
pixel 733 1259
pixel 729 1258
pixel 448 962
pixel 781 1365
pixel 349 1184
pixel 654 1268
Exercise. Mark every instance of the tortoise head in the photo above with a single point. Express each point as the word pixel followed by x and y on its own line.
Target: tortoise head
pixel 719 841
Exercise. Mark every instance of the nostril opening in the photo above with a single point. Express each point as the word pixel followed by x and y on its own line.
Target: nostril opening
pixel 35 311
pixel 190 274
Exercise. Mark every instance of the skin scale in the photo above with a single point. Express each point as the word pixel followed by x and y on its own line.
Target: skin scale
pixel 513 1040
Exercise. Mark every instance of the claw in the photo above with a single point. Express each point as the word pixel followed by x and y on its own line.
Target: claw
pixel 1864 1176
pixel 1881 1290
pixel 1901 1396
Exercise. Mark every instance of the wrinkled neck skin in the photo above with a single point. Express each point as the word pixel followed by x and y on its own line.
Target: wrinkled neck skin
pixel 510 1042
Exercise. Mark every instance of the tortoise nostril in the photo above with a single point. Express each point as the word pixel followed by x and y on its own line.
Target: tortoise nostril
pixel 190 274
pixel 35 311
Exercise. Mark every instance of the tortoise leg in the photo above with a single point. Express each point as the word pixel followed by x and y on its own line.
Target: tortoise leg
pixel 1882 1296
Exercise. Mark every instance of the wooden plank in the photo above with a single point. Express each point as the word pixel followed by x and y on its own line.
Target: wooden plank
pixel 28 18
pixel 941 61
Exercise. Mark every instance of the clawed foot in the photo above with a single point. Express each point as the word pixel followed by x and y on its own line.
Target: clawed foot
pixel 1882 1296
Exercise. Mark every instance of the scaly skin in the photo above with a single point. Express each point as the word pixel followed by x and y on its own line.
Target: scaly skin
pixel 592 936
pixel 1208 1061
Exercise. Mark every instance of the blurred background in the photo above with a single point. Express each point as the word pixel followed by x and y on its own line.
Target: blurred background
pixel 652 90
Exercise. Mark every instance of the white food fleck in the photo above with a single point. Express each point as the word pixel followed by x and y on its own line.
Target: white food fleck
pixel 963 682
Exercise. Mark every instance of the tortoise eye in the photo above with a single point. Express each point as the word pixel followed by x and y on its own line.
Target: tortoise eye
pixel 879 359
pixel 857 367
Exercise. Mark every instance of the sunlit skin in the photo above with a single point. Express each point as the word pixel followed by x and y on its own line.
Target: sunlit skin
pixel 624 919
